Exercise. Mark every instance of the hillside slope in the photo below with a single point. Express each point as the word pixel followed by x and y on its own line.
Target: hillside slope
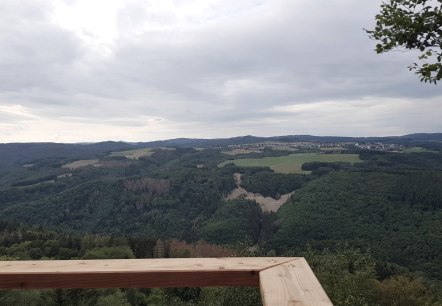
pixel 397 216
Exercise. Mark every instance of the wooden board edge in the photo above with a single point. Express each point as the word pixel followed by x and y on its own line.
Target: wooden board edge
pixel 131 280
pixel 292 283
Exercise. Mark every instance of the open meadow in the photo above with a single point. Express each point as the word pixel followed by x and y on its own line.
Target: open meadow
pixel 292 163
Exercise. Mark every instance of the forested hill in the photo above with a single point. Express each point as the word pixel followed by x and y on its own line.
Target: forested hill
pixel 396 215
pixel 19 153
pixel 367 216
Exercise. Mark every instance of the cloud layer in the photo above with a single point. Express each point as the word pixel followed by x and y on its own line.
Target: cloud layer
pixel 131 70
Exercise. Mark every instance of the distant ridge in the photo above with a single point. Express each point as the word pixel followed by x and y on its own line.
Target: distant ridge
pixel 192 142
pixel 18 153
pixel 424 136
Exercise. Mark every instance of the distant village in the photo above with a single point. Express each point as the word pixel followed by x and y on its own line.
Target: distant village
pixel 322 146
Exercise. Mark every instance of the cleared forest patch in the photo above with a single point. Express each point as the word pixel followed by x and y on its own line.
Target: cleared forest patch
pixel 134 154
pixel 267 203
pixel 82 163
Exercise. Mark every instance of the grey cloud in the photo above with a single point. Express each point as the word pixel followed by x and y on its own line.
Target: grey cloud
pixel 309 69
pixel 262 55
pixel 6 117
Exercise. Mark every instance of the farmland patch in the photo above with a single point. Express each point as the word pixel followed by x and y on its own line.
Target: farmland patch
pixel 292 163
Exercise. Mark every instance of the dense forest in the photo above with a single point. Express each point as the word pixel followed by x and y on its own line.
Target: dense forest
pixel 371 230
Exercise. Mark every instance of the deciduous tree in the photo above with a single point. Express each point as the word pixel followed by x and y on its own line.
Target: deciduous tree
pixel 412 25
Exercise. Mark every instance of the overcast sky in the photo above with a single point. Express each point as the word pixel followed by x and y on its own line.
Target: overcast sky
pixel 93 70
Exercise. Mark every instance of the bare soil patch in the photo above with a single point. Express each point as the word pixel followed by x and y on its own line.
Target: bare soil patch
pixel 266 203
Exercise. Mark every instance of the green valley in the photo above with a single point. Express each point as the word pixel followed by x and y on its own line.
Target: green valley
pixel 368 220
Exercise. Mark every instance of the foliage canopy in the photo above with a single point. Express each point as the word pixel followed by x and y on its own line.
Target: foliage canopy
pixel 413 25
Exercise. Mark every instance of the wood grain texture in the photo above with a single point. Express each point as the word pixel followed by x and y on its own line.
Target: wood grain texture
pixel 283 280
pixel 292 283
pixel 135 273
pixel 131 280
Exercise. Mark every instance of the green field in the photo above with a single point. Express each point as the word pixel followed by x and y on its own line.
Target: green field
pixel 418 150
pixel 292 163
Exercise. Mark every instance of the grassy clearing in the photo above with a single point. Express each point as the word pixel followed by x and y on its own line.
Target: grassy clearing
pixel 418 150
pixel 134 154
pixel 292 163
pixel 82 163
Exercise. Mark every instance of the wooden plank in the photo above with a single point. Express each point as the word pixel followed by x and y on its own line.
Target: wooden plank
pixel 135 273
pixel 292 283
pixel 131 280
pixel 283 280
pixel 140 265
